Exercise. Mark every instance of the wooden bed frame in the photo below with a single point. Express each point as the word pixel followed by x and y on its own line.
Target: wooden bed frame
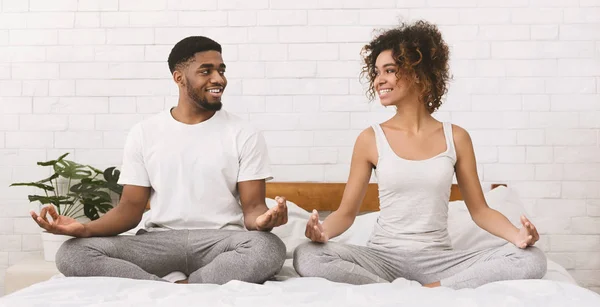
pixel 324 196
pixel 327 196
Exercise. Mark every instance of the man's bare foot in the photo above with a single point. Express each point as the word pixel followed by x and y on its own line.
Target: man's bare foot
pixel 433 284
pixel 185 281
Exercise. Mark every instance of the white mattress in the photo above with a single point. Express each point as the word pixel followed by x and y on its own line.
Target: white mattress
pixel 556 289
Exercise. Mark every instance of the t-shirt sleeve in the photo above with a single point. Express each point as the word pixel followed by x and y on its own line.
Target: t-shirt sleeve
pixel 133 169
pixel 254 158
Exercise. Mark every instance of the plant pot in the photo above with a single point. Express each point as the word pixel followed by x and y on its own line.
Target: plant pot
pixel 52 243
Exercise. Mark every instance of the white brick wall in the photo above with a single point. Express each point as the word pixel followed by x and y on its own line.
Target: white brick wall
pixel 76 75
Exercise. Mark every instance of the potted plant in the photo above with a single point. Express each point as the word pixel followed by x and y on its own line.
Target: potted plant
pixel 78 191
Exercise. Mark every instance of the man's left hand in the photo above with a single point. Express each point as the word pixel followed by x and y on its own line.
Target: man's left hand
pixel 274 217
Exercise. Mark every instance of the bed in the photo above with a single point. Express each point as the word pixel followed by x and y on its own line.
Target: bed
pixel 557 288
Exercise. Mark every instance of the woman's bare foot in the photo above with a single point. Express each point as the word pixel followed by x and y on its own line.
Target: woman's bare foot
pixel 433 284
pixel 175 276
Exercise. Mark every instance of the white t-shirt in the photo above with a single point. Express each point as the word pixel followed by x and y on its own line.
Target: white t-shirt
pixel 194 169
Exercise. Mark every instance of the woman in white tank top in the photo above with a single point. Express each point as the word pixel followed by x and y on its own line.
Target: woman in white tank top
pixel 415 158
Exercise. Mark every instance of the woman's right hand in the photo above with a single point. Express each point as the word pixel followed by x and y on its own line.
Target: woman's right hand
pixel 60 224
pixel 314 229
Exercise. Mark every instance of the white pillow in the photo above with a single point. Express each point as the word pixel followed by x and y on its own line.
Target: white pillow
pixel 292 233
pixel 360 231
pixel 465 234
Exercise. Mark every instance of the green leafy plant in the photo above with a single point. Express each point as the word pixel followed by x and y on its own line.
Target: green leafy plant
pixel 87 191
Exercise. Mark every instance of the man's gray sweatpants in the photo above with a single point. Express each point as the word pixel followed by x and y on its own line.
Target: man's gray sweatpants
pixel 205 256
pixel 453 268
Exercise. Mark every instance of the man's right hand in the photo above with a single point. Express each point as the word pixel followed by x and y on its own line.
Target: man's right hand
pixel 314 229
pixel 60 224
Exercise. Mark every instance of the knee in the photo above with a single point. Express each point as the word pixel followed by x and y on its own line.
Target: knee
pixel 68 257
pixel 275 247
pixel 532 263
pixel 307 259
pixel 270 250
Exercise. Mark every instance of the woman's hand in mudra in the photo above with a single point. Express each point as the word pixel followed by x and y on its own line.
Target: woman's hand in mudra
pixel 528 234
pixel 314 229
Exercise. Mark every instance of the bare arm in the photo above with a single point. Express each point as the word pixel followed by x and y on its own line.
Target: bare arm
pixel 126 215
pixel 257 215
pixel 365 152
pixel 485 217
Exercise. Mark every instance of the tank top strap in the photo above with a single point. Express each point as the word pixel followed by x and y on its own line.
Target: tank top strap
pixel 380 140
pixel 449 139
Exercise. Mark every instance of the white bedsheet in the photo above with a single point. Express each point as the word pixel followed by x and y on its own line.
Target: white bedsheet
pixel 556 289
pixel 106 291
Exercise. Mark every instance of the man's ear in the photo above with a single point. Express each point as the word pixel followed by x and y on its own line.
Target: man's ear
pixel 178 78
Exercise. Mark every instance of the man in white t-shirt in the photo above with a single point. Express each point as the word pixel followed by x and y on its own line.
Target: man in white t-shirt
pixel 203 170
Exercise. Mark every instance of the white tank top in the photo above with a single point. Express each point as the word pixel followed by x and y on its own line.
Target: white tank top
pixel 413 197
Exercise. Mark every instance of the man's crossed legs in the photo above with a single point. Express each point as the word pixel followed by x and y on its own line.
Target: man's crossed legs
pixel 205 256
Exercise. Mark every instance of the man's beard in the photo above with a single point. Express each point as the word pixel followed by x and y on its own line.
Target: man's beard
pixel 202 101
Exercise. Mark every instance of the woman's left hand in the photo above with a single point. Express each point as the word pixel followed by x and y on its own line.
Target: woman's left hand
pixel 528 234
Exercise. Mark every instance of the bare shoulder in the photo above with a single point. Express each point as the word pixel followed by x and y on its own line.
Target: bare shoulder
pixel 365 142
pixel 366 136
pixel 365 147
pixel 461 136
pixel 462 143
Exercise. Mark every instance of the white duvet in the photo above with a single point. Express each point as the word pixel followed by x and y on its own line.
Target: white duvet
pixel 557 288
pixel 313 292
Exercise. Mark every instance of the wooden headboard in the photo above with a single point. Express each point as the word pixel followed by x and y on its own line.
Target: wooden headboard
pixel 327 196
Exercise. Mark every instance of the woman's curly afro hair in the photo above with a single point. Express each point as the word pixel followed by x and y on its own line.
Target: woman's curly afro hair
pixel 419 50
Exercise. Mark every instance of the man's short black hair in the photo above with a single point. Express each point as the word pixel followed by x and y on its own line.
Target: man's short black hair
pixel 185 50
